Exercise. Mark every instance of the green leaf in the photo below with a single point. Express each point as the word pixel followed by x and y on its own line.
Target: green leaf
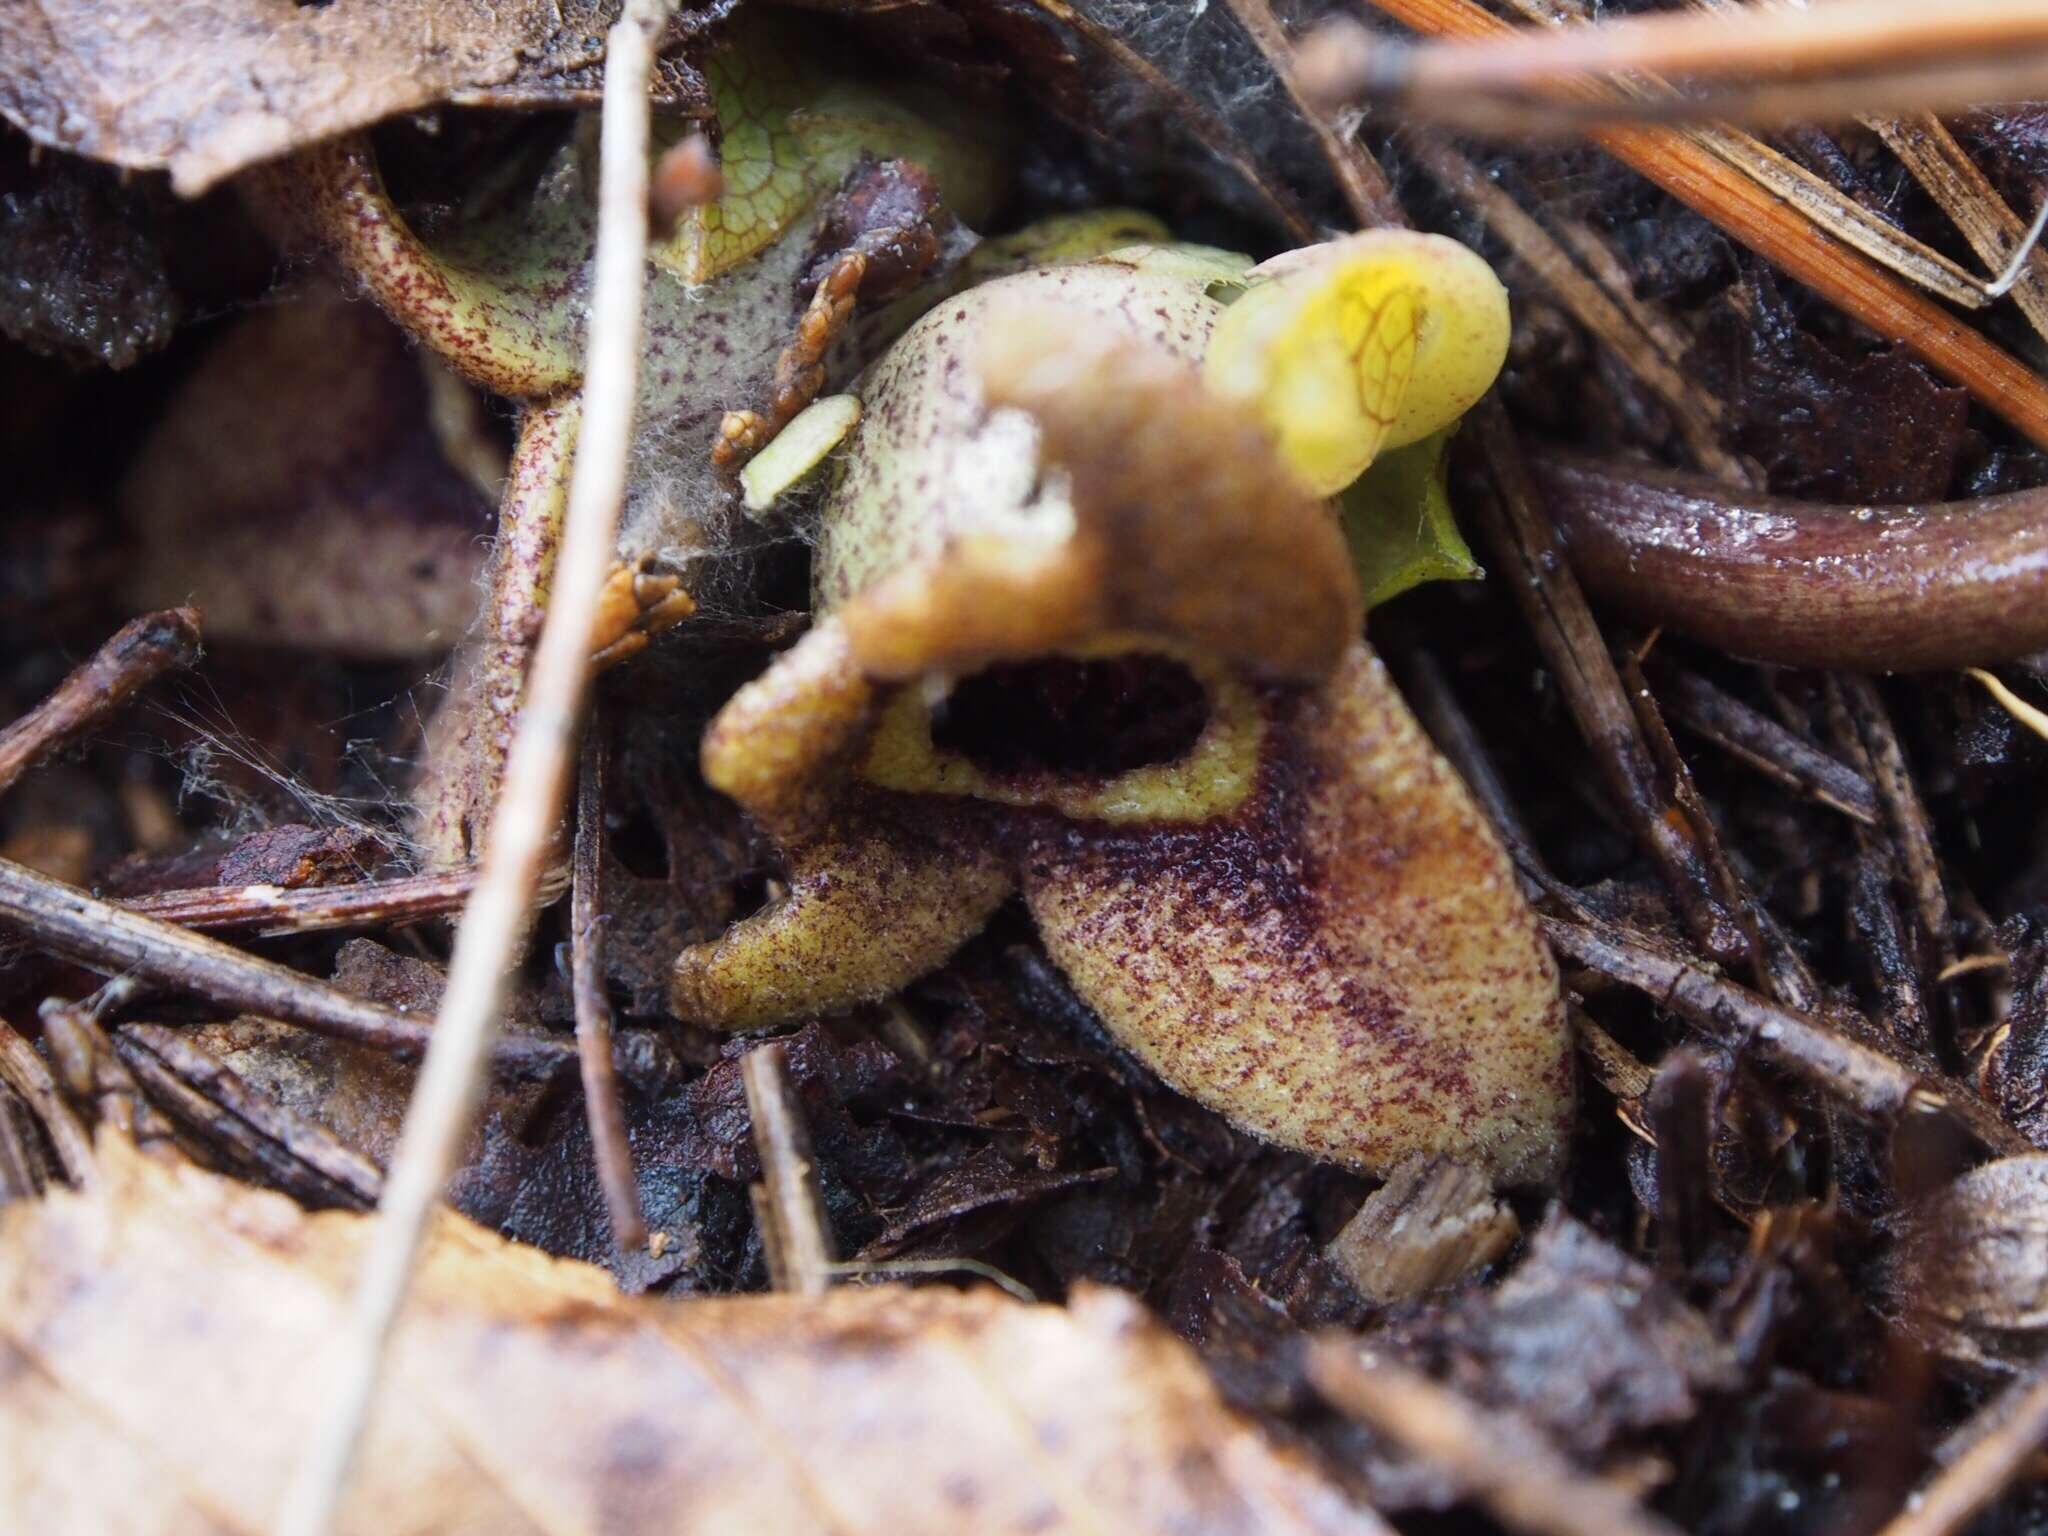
pixel 1397 519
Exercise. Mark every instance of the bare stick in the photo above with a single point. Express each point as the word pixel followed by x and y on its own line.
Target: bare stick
pixel 307 1141
pixel 1912 835
pixel 499 915
pixel 1868 1079
pixel 1563 625
pixel 25 1072
pixel 141 651
pixel 270 911
pixel 115 942
pixel 594 1011
pixel 1755 738
pixel 1502 1463
pixel 1985 1470
pixel 786 1201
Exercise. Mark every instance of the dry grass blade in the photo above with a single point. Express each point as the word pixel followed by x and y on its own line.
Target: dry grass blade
pixel 1751 214
pixel 2034 719
pixel 499 914
pixel 1966 195
pixel 1827 40
pixel 1504 1465
pixel 1842 217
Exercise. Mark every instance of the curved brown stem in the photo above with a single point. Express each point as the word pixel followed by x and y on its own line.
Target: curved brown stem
pixel 468 319
pixel 1868 589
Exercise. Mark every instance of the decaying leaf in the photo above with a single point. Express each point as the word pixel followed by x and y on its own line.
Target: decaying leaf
pixel 157 1330
pixel 1583 1340
pixel 297 490
pixel 203 88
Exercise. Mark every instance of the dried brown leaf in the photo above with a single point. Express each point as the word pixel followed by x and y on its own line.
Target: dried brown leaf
pixel 305 441
pixel 203 88
pixel 153 1339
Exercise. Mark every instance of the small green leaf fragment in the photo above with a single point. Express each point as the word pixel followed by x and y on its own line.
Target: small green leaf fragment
pixel 797 450
pixel 1397 519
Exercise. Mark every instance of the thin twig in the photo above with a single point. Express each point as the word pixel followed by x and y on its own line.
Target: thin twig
pixel 307 1141
pixel 1864 1076
pixel 1752 737
pixel 141 651
pixel 1996 1456
pixel 499 915
pixel 114 942
pixel 1543 585
pixel 1501 1463
pixel 1912 834
pixel 269 911
pixel 25 1072
pixel 601 1107
pixel 786 1203
pixel 1752 215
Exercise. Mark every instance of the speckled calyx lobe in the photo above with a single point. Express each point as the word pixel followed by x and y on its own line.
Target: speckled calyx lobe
pixel 879 898
pixel 1345 966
